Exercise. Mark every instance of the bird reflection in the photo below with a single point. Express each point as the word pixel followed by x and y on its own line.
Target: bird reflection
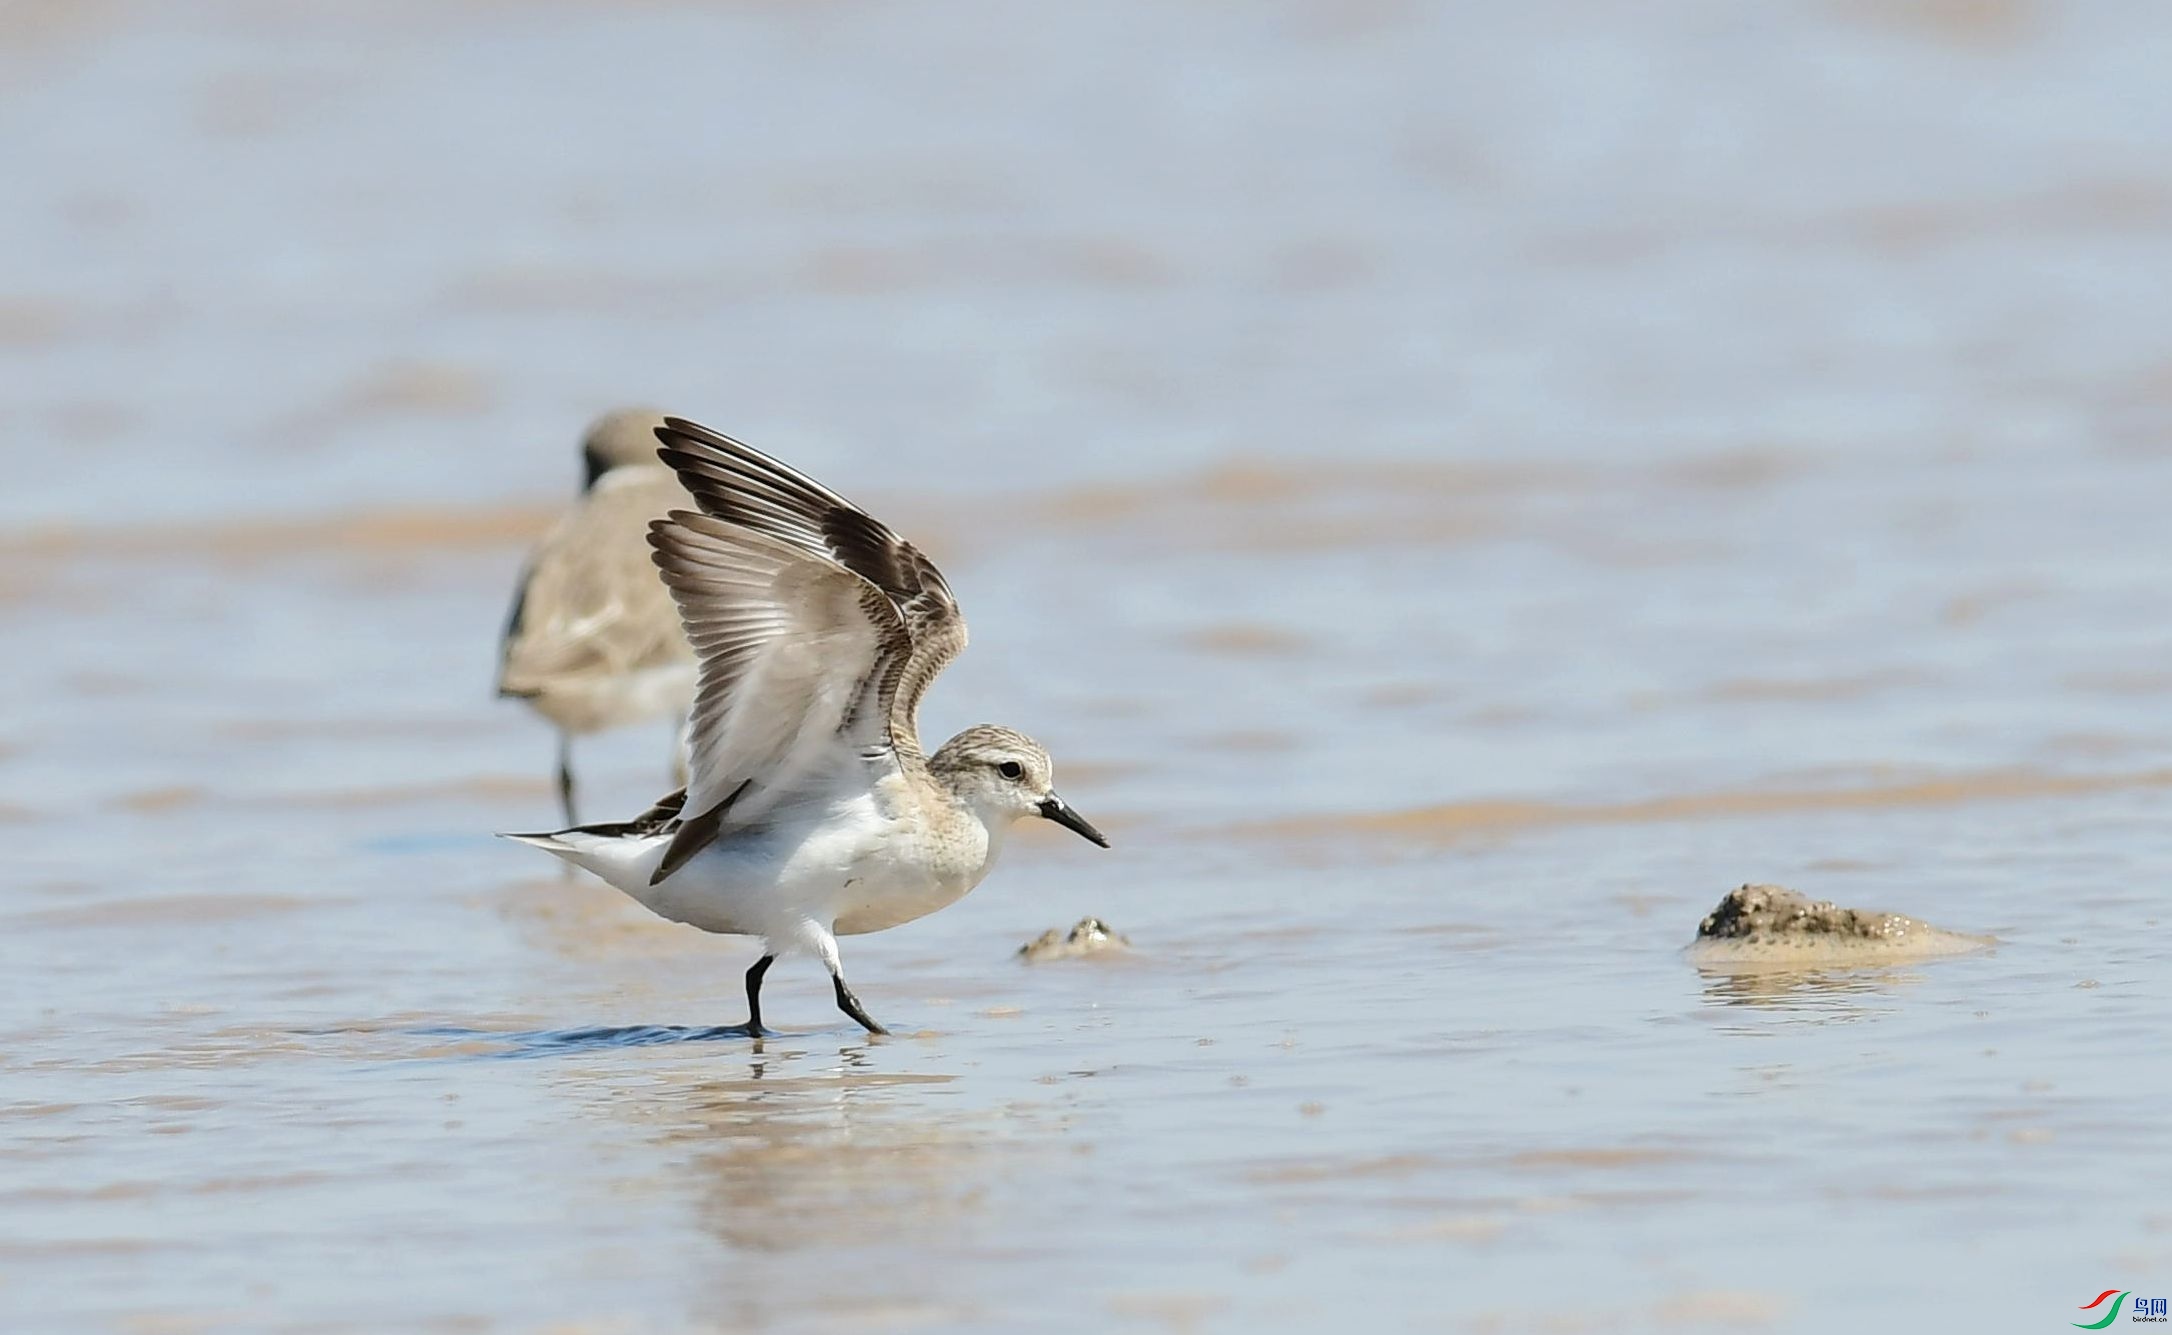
pixel 803 1162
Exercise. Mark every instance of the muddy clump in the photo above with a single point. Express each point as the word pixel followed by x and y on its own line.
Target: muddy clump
pixel 1088 936
pixel 1770 924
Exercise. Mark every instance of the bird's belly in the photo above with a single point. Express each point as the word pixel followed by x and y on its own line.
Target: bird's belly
pixel 738 886
pixel 594 702
pixel 847 876
pixel 877 900
pixel 717 899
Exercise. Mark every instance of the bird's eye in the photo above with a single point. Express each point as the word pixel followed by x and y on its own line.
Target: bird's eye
pixel 1011 769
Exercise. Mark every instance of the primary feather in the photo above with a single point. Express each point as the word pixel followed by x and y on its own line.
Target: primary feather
pixel 817 627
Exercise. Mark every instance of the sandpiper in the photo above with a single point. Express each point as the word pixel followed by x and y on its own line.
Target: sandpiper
pixel 811 811
pixel 593 641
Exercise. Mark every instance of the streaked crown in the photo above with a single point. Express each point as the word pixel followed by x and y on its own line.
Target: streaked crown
pixel 991 746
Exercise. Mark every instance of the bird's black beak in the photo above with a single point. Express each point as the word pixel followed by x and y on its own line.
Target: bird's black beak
pixel 1056 809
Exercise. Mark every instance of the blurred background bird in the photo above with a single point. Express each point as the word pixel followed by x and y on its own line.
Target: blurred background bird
pixel 593 641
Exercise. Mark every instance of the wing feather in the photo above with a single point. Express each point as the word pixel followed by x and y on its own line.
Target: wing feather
pixel 899 594
pixel 785 646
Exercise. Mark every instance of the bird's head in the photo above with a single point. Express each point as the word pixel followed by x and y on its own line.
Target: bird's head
pixel 1005 776
pixel 618 438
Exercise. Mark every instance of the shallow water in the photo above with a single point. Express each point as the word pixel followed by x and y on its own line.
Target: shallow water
pixel 1457 491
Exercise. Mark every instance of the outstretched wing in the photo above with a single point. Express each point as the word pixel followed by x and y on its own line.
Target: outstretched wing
pixel 745 488
pixel 817 627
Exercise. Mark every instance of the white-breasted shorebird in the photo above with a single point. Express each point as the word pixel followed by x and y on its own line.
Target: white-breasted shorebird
pixel 594 641
pixel 811 811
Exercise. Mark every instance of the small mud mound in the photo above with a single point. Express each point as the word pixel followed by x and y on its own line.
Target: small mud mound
pixel 1089 936
pixel 1772 925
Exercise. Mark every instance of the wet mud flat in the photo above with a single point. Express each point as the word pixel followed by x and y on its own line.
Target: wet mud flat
pixel 1452 1037
pixel 1433 633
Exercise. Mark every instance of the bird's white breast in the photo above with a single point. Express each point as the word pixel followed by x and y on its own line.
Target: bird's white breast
pixel 859 862
pixel 922 855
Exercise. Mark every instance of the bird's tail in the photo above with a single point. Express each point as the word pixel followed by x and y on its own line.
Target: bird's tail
pixel 625 860
pixel 549 843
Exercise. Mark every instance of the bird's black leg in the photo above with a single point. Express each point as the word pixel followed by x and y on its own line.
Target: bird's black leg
pixel 565 778
pixel 754 995
pixel 851 1006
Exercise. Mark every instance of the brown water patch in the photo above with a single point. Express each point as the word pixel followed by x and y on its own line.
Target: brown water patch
pixel 858 271
pixel 406 389
pixel 32 26
pixel 32 322
pixel 1112 262
pixel 2120 683
pixel 2101 206
pixel 1358 503
pixel 1626 1157
pixel 1969 608
pixel 1249 487
pixel 137 1189
pixel 482 787
pixel 1729 1307
pixel 1905 229
pixel 1449 929
pixel 1227 507
pixel 1320 265
pixel 1402 695
pixel 1172 1309
pixel 2093 745
pixel 1296 931
pixel 167 910
pixel 394 531
pixel 1445 1228
pixel 1102 263
pixel 1298 1172
pixel 99 684
pixel 1828 866
pixel 151 800
pixel 1084 774
pixel 1937 1191
pixel 1733 470
pixel 60 1248
pixel 1454 821
pixel 1968 23
pixel 1811 688
pixel 1697 1307
pixel 107 1191
pixel 1238 639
